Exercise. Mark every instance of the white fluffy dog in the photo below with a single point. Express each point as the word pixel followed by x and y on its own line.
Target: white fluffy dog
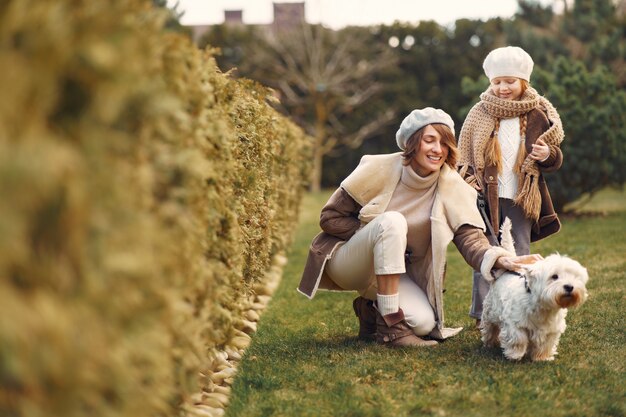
pixel 525 312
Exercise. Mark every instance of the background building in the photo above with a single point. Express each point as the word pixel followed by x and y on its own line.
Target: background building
pixel 286 17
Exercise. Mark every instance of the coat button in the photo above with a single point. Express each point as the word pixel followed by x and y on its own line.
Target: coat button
pixel 491 178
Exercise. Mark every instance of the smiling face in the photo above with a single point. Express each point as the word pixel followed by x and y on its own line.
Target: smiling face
pixel 431 152
pixel 507 88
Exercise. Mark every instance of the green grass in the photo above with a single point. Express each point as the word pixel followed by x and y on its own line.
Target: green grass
pixel 606 201
pixel 305 360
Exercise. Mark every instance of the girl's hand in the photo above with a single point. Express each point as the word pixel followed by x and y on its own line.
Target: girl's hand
pixel 540 151
pixel 516 263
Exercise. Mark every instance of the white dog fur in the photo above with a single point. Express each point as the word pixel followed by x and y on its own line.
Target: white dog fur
pixel 525 314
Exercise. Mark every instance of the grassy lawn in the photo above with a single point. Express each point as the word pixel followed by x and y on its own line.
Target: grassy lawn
pixel 305 359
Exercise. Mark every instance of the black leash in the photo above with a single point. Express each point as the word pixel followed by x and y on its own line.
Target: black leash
pixel 482 208
pixel 519 274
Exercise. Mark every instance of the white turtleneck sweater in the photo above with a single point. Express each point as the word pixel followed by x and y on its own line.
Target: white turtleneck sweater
pixel 509 139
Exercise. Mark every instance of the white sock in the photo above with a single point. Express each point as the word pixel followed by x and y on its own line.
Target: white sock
pixel 388 304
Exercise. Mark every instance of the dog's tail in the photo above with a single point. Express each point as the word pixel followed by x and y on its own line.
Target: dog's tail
pixel 506 239
pixel 506 249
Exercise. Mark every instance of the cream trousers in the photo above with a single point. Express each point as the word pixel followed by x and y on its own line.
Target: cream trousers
pixel 378 249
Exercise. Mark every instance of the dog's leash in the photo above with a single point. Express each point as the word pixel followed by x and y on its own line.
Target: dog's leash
pixel 482 208
pixel 519 274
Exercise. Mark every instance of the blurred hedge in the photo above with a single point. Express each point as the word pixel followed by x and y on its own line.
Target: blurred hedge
pixel 143 194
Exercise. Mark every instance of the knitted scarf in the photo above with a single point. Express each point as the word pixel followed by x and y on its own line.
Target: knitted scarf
pixel 478 130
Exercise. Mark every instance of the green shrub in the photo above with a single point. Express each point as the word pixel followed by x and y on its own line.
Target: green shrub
pixel 142 195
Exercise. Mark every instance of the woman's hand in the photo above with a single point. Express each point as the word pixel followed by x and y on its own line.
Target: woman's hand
pixel 540 151
pixel 516 263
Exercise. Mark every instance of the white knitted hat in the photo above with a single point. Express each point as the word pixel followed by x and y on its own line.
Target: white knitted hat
pixel 417 119
pixel 510 61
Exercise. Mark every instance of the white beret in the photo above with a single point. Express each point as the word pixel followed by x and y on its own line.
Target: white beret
pixel 510 61
pixel 417 119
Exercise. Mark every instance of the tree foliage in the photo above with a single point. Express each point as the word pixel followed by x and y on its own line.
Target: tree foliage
pixel 322 78
pixel 173 17
pixel 594 111
pixel 579 60
pixel 582 47
pixel 234 44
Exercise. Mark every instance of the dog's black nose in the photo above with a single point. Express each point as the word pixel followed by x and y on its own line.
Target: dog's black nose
pixel 568 288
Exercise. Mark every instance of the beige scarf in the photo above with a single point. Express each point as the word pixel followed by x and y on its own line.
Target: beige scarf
pixel 478 130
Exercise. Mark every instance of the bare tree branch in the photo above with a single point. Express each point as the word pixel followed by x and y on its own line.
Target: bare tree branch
pixel 322 80
pixel 356 139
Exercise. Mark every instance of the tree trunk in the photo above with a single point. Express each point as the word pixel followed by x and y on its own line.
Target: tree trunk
pixel 321 116
pixel 316 173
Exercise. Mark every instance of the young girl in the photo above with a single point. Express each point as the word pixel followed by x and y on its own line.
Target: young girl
pixel 507 141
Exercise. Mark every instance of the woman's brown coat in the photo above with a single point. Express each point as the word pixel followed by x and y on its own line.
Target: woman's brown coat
pixel 363 196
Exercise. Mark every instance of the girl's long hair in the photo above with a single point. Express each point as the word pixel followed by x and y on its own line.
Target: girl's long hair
pixel 493 154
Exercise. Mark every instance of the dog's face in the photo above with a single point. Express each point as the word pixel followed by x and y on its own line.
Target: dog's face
pixel 559 280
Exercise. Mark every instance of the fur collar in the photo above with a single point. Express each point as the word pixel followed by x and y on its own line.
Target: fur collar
pixel 373 182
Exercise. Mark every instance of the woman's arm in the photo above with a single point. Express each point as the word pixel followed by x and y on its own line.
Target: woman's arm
pixel 472 244
pixel 480 255
pixel 339 217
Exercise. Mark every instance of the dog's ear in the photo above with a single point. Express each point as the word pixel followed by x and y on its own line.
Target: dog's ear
pixel 527 270
pixel 529 263
pixel 532 269
pixel 579 270
pixel 583 274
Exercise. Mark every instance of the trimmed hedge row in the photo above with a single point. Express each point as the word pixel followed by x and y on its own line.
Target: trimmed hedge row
pixel 143 195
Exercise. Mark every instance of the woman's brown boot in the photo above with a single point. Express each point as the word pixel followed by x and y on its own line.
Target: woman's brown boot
pixel 365 311
pixel 393 331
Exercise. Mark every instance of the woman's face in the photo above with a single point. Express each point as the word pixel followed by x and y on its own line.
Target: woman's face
pixel 430 154
pixel 508 88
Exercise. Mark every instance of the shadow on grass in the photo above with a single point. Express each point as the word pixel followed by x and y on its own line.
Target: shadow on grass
pixel 309 344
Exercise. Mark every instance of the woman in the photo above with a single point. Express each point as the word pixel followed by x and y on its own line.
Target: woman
pixel 386 230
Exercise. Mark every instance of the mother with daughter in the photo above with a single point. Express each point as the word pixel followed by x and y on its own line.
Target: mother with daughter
pixel 386 229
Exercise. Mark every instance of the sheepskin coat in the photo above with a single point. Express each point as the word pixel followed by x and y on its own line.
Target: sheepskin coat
pixel 365 194
pixel 485 176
